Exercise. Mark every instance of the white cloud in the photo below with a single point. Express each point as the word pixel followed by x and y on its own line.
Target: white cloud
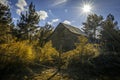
pixel 58 2
pixel 53 21
pixel 18 11
pixel 5 2
pixel 43 14
pixel 21 6
pixel 67 22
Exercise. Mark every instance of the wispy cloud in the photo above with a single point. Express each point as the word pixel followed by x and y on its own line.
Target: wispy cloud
pixel 21 4
pixel 43 14
pixel 50 12
pixel 66 10
pixel 59 2
pixel 54 21
pixel 67 22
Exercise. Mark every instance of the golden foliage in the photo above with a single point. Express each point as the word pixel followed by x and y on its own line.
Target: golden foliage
pixel 47 52
pixel 19 52
pixel 83 49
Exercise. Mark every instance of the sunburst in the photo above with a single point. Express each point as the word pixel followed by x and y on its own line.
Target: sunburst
pixel 87 8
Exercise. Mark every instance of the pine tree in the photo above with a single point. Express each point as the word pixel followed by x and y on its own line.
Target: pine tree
pixel 5 24
pixel 110 35
pixel 28 23
pixel 91 25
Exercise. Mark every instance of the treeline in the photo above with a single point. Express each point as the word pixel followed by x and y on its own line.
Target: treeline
pixel 24 48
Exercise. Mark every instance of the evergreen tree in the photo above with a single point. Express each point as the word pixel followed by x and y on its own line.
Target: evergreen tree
pixel 110 35
pixel 5 24
pixel 28 23
pixel 91 25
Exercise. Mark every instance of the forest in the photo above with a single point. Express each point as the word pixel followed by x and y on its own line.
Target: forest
pixel 27 54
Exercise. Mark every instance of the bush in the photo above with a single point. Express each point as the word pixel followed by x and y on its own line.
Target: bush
pixel 78 61
pixel 46 53
pixel 83 50
pixel 16 55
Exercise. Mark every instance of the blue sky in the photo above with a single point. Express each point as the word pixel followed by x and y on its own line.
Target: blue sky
pixel 68 11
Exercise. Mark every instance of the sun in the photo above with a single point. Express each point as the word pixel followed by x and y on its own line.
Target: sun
pixel 86 8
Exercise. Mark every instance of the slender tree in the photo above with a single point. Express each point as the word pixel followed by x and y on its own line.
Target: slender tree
pixel 45 33
pixel 91 25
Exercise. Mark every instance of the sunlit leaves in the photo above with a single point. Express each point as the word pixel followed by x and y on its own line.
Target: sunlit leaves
pixel 17 52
